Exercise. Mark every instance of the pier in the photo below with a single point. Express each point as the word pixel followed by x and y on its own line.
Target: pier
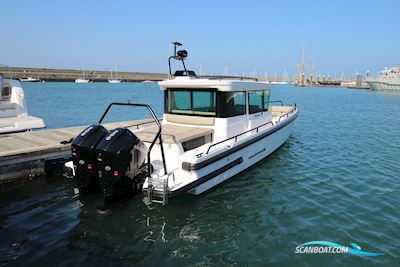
pixel 23 155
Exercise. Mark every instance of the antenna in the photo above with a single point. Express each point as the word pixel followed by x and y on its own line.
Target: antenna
pixel 176 44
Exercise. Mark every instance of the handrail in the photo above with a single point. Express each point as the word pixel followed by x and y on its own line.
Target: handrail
pixel 236 136
pixel 256 128
pixel 143 123
pixel 276 101
pixel 158 135
pixel 287 114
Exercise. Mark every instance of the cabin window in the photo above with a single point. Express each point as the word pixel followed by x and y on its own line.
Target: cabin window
pixel 231 104
pixel 204 102
pixel 256 102
pixel 5 93
pixel 196 142
pixel 266 99
pixel 191 102
pixel 180 100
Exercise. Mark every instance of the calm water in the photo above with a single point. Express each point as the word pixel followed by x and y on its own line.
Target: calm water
pixel 336 179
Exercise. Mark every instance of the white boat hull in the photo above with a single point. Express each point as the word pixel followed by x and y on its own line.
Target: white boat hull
pixel 114 81
pixel 379 86
pixel 281 83
pixel 14 115
pixel 249 155
pixel 81 81
pixel 20 124
pixel 226 163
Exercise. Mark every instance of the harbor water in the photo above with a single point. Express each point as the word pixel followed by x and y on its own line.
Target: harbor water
pixel 336 179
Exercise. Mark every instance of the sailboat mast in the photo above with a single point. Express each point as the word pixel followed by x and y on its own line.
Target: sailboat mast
pixel 301 73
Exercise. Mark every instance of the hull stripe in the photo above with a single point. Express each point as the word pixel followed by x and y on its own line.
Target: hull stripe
pixel 203 179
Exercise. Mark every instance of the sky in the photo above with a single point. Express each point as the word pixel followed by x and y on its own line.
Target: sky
pixel 242 37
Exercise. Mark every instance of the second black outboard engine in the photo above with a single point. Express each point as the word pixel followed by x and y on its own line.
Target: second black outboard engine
pixel 121 162
pixel 84 157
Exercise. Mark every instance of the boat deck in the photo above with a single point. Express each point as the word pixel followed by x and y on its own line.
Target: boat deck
pixel 278 111
pixel 172 134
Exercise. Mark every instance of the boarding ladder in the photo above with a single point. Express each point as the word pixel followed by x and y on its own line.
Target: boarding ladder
pixel 157 182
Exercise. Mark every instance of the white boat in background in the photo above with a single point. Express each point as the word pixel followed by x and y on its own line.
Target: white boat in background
pixel 388 79
pixel 211 130
pixel 82 79
pixel 285 79
pixel 354 85
pixel 29 79
pixel 114 81
pixel 279 83
pixel 115 78
pixel 13 109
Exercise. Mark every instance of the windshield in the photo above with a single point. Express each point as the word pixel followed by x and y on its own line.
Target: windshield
pixel 192 102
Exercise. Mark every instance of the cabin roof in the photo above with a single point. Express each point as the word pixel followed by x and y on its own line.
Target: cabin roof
pixel 220 85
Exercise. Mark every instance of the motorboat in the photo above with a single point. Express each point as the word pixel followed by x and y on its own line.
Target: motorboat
pixel 211 130
pixel 388 79
pixel 355 85
pixel 279 83
pixel 29 79
pixel 14 115
pixel 81 80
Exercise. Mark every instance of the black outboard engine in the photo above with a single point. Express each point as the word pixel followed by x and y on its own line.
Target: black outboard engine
pixel 121 163
pixel 84 157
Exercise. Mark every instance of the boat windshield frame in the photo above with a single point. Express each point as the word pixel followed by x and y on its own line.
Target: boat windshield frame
pixel 191 111
pixel 217 107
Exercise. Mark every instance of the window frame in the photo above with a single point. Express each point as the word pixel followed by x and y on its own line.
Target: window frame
pixel 219 101
pixel 191 90
pixel 263 109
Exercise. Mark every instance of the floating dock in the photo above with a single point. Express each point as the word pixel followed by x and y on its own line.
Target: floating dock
pixel 23 155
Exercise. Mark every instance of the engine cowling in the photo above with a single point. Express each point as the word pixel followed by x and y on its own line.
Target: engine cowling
pixel 84 157
pixel 121 163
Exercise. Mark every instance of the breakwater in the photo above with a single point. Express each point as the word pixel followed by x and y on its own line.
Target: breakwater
pixel 68 75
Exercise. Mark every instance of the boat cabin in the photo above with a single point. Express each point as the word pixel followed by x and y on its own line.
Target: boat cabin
pixel 198 111
pixel 228 107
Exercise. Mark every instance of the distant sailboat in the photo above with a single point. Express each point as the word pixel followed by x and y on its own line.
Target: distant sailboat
pixel 114 79
pixel 82 79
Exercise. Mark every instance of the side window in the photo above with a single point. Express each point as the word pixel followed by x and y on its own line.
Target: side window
pixel 256 101
pixel 266 99
pixel 232 104
pixel 5 93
